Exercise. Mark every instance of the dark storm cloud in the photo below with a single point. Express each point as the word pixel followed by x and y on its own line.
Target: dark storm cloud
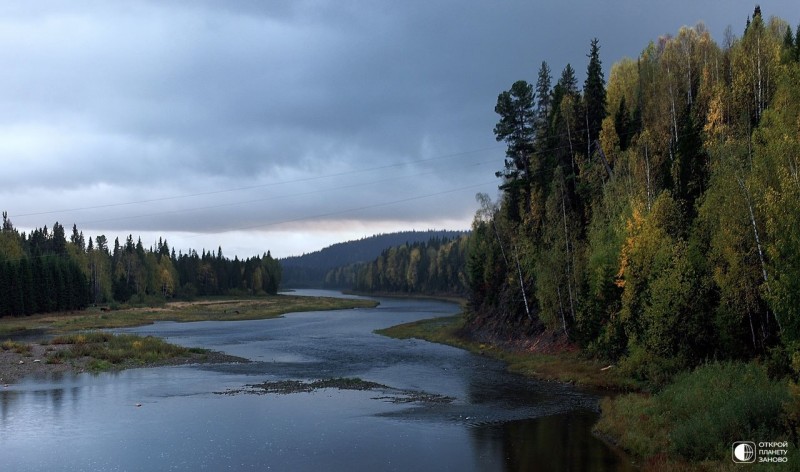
pixel 132 101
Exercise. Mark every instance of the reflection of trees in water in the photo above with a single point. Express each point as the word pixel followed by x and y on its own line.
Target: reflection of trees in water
pixel 559 442
pixel 7 399
pixel 507 439
pixel 47 401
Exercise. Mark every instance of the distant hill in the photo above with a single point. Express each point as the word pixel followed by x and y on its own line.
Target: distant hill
pixel 309 269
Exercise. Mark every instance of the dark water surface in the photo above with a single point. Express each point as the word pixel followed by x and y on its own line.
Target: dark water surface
pixel 496 421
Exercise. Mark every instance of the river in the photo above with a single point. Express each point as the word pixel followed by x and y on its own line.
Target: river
pixel 179 418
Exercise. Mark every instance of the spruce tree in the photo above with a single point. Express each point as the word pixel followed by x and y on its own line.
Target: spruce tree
pixel 5 287
pixel 568 80
pixel 788 39
pixel 622 124
pixel 26 280
pixel 17 291
pixel 543 102
pixel 797 44
pixel 59 241
pixel 594 93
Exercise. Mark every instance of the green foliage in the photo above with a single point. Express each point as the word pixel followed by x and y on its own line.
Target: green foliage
pixel 43 272
pixel 19 348
pixel 109 350
pixel 517 128
pixel 594 90
pixel 777 175
pixel 673 241
pixel 47 283
pixel 700 414
pixel 434 267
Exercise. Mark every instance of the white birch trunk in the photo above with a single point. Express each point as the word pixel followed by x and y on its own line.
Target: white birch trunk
pixel 746 193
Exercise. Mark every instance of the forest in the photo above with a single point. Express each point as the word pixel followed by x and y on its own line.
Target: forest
pixel 310 270
pixel 653 218
pixel 44 271
pixel 433 267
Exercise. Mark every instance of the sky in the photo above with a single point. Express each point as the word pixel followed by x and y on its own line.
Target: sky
pixel 285 125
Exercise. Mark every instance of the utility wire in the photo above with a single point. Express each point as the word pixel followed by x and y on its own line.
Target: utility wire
pixel 251 187
pixel 267 199
pixel 351 210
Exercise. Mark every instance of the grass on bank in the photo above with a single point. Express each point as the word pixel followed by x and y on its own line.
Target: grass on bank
pixel 211 309
pixel 108 351
pixel 568 367
pixel 18 347
pixel 695 419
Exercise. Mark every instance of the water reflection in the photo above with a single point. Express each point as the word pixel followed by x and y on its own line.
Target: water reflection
pixel 557 443
pixel 497 421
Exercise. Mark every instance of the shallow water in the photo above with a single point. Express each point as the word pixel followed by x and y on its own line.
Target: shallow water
pixel 496 420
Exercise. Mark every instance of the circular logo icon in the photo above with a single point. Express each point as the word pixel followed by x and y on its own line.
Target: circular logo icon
pixel 744 452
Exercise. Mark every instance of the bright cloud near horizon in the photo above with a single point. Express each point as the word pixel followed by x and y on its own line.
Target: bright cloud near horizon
pixel 284 125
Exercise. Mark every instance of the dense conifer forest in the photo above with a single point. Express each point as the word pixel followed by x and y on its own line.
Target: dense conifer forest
pixel 44 271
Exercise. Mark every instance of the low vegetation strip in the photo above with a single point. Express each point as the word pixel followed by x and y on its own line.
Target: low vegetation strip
pixel 95 352
pixel 530 360
pixel 210 309
pixel 698 417
pixel 106 351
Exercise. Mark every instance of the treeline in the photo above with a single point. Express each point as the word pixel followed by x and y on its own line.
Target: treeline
pixel 44 272
pixel 36 275
pixel 653 219
pixel 436 266
pixel 310 270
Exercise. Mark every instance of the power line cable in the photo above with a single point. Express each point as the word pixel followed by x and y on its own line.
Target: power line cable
pixel 251 187
pixel 272 198
pixel 350 210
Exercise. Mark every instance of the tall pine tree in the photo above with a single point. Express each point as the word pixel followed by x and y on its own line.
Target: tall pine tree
pixel 594 93
pixel 543 105
pixel 517 128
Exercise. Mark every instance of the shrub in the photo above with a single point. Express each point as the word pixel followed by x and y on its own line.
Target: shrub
pixel 721 403
pixel 19 348
pixel 701 413
pixel 644 366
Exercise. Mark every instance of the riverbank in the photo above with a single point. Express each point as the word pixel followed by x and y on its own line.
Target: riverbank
pixel 459 300
pixel 688 424
pixel 546 357
pixel 30 349
pixel 207 309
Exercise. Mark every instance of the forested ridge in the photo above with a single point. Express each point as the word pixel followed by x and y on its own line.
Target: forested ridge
pixel 653 218
pixel 433 267
pixel 44 271
pixel 311 269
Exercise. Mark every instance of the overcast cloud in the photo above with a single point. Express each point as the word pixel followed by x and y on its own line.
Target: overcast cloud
pixel 283 125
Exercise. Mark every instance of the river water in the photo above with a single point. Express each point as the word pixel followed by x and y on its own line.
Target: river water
pixel 175 418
